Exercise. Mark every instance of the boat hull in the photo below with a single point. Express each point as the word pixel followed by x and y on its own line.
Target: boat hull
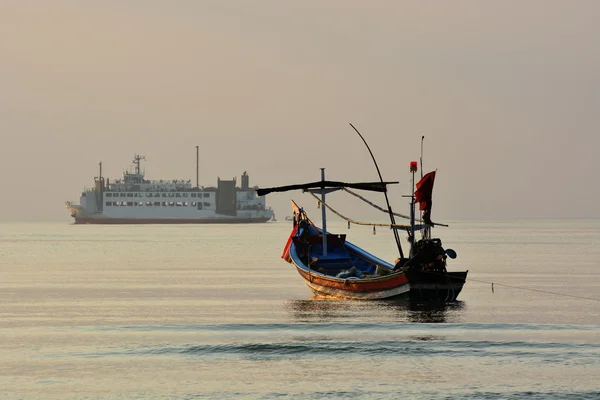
pixel 391 286
pixel 414 285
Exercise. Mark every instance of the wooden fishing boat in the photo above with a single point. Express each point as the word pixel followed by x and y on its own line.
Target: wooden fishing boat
pixel 333 267
pixel 346 271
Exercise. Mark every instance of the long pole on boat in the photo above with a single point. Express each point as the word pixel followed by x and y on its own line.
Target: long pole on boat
pixel 323 213
pixel 421 160
pixel 387 201
pixel 426 230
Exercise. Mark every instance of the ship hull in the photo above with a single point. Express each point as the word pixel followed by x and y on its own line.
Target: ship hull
pixel 128 221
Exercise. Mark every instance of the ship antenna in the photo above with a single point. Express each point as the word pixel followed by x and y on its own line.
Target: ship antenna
pixel 197 166
pixel 136 161
pixel 391 214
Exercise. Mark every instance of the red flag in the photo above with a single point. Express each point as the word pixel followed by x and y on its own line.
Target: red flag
pixel 423 195
pixel 286 249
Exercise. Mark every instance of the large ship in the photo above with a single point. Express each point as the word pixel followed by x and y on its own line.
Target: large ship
pixel 137 200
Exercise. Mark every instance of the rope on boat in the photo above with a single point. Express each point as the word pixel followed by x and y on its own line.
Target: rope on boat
pixel 373 224
pixel 375 205
pixel 383 209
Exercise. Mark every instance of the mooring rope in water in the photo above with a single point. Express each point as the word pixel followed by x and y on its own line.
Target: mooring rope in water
pixel 535 290
pixel 515 287
pixel 357 222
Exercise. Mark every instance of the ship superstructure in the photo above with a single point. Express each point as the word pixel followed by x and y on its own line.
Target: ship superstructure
pixel 137 200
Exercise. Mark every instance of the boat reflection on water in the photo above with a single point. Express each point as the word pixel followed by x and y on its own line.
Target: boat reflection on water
pixel 319 309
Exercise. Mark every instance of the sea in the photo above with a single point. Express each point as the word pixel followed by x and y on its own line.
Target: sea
pixel 213 312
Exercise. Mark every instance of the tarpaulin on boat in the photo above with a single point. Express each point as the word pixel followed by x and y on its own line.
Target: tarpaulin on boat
pixel 370 186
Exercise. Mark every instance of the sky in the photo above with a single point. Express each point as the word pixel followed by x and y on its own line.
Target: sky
pixel 506 93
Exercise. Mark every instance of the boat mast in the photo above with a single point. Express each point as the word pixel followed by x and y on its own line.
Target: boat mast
pixel 413 170
pixel 323 212
pixel 426 233
pixel 421 159
pixel 197 166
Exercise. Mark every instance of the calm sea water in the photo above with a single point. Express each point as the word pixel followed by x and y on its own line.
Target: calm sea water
pixel 183 312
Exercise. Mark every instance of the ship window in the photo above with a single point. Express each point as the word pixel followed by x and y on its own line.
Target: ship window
pixel 108 194
pixel 207 204
pixel 164 195
pixel 129 203
pixel 193 194
pixel 129 194
pixel 148 203
pixel 177 194
pixel 148 194
pixel 140 203
pixel 185 195
pixel 171 204
pixel 157 203
pixel 156 194
pixel 108 203
pixel 185 203
pixel 164 203
pixel 178 204
pixel 199 206
pixel 193 204
pixel 206 194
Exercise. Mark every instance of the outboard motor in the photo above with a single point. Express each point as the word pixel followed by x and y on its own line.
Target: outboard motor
pixel 429 256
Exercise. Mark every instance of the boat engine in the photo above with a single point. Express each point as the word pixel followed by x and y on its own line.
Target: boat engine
pixel 429 256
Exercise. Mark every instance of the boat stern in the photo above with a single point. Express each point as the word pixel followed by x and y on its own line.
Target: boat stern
pixel 435 286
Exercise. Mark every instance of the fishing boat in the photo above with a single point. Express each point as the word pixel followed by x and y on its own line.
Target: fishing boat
pixel 331 266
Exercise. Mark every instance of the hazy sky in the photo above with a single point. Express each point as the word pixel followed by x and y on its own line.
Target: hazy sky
pixel 507 94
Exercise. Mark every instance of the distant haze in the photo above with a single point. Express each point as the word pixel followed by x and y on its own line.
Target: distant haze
pixel 507 94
